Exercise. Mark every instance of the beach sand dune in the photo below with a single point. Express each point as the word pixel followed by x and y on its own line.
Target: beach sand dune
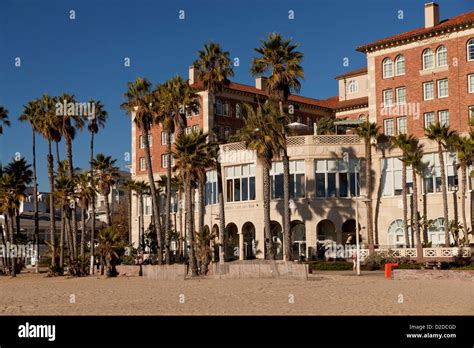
pixel 326 294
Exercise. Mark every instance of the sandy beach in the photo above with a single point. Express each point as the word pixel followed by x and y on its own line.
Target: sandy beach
pixel 323 294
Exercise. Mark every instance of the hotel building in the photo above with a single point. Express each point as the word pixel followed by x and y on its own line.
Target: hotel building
pixel 411 80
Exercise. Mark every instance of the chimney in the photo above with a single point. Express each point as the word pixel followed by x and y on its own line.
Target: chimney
pixel 431 15
pixel 261 83
pixel 192 75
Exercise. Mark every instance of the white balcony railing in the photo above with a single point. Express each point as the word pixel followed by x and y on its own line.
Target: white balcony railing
pixel 427 252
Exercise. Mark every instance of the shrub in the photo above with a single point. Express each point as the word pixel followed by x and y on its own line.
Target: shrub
pixel 330 266
pixel 79 266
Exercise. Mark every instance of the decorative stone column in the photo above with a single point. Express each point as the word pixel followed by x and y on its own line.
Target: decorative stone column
pixel 241 246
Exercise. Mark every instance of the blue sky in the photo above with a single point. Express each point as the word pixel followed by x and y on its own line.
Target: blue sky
pixel 85 56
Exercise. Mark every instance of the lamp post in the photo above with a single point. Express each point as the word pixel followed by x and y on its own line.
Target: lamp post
pixel 357 191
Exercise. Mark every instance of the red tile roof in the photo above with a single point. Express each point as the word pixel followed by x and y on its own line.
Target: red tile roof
pixel 360 71
pixel 454 23
pixel 337 105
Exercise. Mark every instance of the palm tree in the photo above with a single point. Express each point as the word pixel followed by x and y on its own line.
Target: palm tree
pixel 95 122
pixel 414 158
pixel 279 58
pixel 129 186
pixel 64 196
pixel 262 133
pixel 3 118
pixel 405 143
pixel 105 174
pixel 110 241
pixel 465 154
pixel 31 112
pixel 48 127
pixel 368 131
pixel 140 104
pixel 213 68
pixel 191 150
pixel 86 194
pixel 443 136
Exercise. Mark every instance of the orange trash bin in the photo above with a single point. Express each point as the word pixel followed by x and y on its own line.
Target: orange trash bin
pixel 388 269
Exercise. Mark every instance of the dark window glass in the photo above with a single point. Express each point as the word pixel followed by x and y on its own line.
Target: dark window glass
pixel 230 195
pixel 320 185
pixel 236 190
pixel 252 188
pixel 245 189
pixel 343 185
pixel 331 184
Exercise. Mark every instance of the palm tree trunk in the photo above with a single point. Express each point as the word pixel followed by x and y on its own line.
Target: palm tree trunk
pixel 4 246
pixel 52 222
pixel 201 203
pixel 189 227
pixel 13 241
pixel 8 241
pixel 91 157
pixel 35 199
pixel 154 197
pixel 58 158
pixel 416 222
pixel 168 198
pixel 61 241
pixel 463 203
pixel 83 230
pixel 266 212
pixel 107 209
pixel 70 236
pixel 129 204
pixel 222 241
pixel 71 174
pixel 404 202
pixel 368 179
pixel 180 218
pixel 142 221
pixel 445 196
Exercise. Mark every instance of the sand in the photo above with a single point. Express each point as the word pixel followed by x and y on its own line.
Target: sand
pixel 323 294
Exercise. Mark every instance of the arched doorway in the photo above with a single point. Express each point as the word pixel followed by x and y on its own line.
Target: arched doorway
pixel 298 240
pixel 250 244
pixel 325 236
pixel 277 239
pixel 232 242
pixel 349 232
pixel 215 243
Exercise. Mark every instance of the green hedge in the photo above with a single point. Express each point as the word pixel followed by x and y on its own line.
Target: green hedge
pixel 330 265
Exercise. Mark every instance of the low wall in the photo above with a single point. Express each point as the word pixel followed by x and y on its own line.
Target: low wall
pixel 128 270
pixel 165 272
pixel 404 274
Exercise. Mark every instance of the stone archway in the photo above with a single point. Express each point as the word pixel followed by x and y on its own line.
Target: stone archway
pixel 232 242
pixel 215 243
pixel 298 240
pixel 349 232
pixel 277 238
pixel 325 236
pixel 250 242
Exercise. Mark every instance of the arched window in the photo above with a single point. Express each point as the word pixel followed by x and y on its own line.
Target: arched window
pixel 396 234
pixel 362 117
pixel 387 66
pixel 400 65
pixel 353 86
pixel 442 56
pixel 470 49
pixel 428 59
pixel 436 232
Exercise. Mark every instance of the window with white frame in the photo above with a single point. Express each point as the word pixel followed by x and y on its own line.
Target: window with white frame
pixel 211 190
pixel 402 125
pixel 470 83
pixel 238 110
pixel 337 178
pixel 164 138
pixel 164 160
pixel 470 49
pixel 428 59
pixel 388 98
pixel 388 127
pixel 353 87
pixel 196 128
pixel 443 117
pixel 218 107
pixel 188 130
pixel 142 163
pixel 442 56
pixel 225 109
pixel 429 119
pixel 471 113
pixel 387 68
pixel 297 179
pixel 442 88
pixel 391 179
pixel 147 205
pixel 142 142
pixel 432 172
pixel 436 232
pixel 428 90
pixel 400 65
pixel 401 93
pixel 240 183
pixel 396 234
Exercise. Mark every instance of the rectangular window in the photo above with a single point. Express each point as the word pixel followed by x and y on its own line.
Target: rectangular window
pixel 146 205
pixel 388 97
pixel 471 114
pixel 336 178
pixel 142 164
pixel 297 179
pixel 225 109
pixel 428 90
pixel 164 161
pixel 218 107
pixel 402 125
pixel 443 117
pixel 238 110
pixel 388 127
pixel 429 119
pixel 188 130
pixel 240 183
pixel 196 128
pixel 401 95
pixel 470 83
pixel 211 193
pixel 432 172
pixel 142 143
pixel 163 138
pixel 391 179
pixel 442 88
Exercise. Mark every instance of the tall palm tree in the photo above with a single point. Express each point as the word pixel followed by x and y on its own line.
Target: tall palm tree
pixel 64 196
pixel 191 151
pixel 95 122
pixel 4 121
pixel 105 174
pixel 139 104
pixel 414 159
pixel 262 133
pixel 465 154
pixel 213 68
pixel 443 136
pixel 48 127
pixel 368 131
pixel 31 112
pixel 278 56
pixel 405 143
pixel 86 194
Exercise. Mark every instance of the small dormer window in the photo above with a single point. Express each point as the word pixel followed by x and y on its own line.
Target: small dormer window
pixel 353 87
